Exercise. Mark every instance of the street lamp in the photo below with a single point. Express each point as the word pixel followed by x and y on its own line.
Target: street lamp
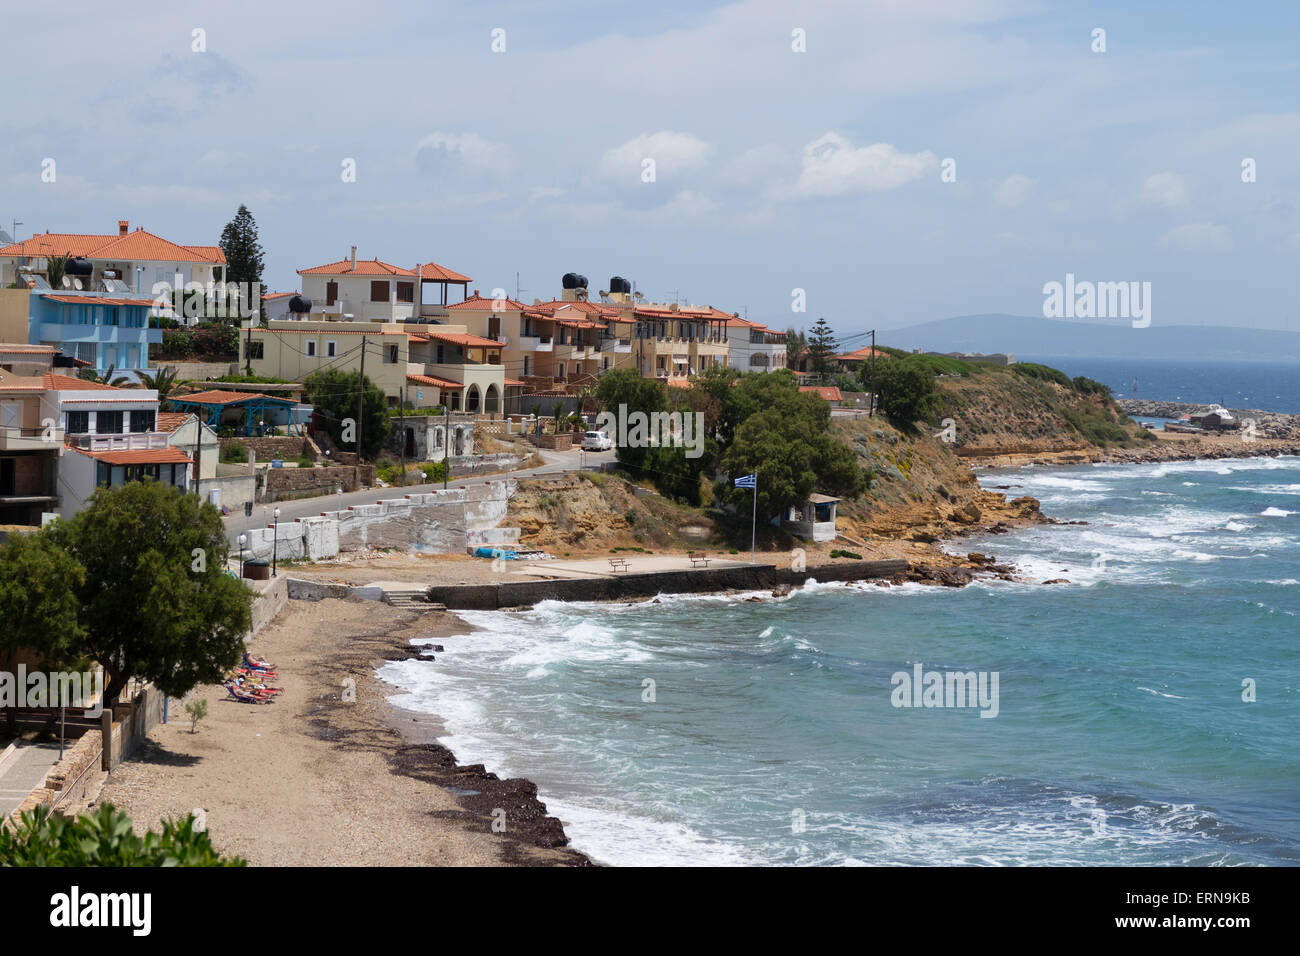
pixel 275 539
pixel 242 539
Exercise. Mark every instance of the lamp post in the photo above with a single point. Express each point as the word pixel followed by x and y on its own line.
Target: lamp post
pixel 275 539
pixel 242 539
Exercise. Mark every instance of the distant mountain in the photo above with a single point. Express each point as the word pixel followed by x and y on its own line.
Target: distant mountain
pixel 1026 335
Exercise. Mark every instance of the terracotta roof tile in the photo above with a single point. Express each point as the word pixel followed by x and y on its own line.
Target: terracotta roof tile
pixel 54 380
pixel 139 456
pixel 365 267
pixel 133 246
pixel 170 421
pixel 459 338
pixel 480 303
pixel 434 380
pixel 433 272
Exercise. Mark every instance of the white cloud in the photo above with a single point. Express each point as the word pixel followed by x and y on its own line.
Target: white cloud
pixel 672 152
pixel 1198 237
pixel 1165 189
pixel 538 193
pixel 1013 191
pixel 832 166
pixel 468 151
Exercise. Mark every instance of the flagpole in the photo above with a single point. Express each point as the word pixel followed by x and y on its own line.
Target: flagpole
pixel 753 521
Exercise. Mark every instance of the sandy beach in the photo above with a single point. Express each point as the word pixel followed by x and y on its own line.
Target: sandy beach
pixel 319 781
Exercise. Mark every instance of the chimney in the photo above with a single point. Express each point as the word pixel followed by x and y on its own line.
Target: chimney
pixel 354 258
pixel 123 226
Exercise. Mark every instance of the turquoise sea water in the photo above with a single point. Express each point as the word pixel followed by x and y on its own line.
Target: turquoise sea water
pixel 1121 735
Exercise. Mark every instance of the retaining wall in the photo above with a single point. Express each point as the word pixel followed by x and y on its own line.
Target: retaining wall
pixel 480 597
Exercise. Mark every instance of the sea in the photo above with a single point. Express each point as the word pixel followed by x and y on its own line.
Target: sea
pixel 1267 386
pixel 1145 711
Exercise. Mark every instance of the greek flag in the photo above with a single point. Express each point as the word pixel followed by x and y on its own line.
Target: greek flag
pixel 749 481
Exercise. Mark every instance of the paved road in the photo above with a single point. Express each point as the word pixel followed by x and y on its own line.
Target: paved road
pixel 23 772
pixel 557 462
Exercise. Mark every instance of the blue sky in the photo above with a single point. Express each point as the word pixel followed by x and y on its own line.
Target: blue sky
pixel 775 170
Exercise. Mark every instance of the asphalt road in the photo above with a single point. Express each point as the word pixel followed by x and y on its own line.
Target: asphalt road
pixel 557 462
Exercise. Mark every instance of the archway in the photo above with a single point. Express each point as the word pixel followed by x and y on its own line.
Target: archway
pixel 471 399
pixel 491 400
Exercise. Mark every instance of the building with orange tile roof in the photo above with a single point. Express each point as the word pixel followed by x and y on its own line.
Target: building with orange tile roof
pixel 138 258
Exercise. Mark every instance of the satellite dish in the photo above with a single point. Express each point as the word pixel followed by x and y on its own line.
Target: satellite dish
pixel 67 283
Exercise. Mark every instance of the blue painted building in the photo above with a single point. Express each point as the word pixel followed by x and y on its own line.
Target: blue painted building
pixel 104 329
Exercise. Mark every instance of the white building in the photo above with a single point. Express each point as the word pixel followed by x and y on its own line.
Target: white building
pixel 753 347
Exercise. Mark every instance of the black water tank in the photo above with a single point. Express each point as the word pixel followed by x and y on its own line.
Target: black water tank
pixel 582 282
pixel 570 280
pixel 299 303
pixel 79 267
pixel 615 285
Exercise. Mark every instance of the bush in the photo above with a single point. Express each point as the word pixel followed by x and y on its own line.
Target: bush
pixel 234 453
pixel 433 470
pixel 837 553
pixel 105 838
pixel 306 461
pixel 1090 386
pixel 1042 373
pixel 196 710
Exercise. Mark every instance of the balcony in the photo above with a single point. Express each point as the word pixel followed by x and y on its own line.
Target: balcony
pixel 535 343
pixel 134 441
pixel 623 346
pixel 13 438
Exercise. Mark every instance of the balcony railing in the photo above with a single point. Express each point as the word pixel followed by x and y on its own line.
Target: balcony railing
pixel 15 438
pixel 134 441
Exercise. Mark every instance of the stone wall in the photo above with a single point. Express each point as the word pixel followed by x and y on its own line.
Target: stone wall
pixel 198 371
pixel 275 446
pixel 284 482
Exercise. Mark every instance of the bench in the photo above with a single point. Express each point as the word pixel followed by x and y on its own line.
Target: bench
pixel 698 559
pixel 618 564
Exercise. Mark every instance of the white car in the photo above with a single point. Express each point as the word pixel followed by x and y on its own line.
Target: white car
pixel 596 441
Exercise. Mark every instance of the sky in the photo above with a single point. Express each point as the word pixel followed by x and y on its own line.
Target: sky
pixel 914 160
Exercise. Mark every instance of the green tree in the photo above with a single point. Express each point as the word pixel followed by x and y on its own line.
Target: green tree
pixel 821 346
pixel 906 388
pixel 243 251
pixel 144 564
pixel 796 348
pixel 56 267
pixel 104 378
pixel 164 382
pixel 106 838
pixel 625 388
pixel 334 393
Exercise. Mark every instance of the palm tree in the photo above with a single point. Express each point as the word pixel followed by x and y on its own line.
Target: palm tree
pixel 56 267
pixel 163 382
pixel 106 378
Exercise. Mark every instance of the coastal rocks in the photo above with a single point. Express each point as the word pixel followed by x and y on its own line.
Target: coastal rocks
pixel 967 514
pixel 781 590
pixel 1057 581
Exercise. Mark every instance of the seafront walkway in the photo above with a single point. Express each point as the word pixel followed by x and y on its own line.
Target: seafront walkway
pixel 22 770
pixel 633 564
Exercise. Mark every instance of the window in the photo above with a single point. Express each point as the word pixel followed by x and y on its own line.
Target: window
pixel 391 357
pixel 142 421
pixel 108 423
pixel 254 350
pixel 311 349
pixel 406 292
pixel 331 293
pixel 78 423
pixel 379 290
pixel 441 354
pixel 528 366
pixel 331 349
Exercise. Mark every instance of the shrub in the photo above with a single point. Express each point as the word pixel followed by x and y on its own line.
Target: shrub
pixel 306 461
pixel 196 710
pixel 105 838
pixel 234 453
pixel 1042 373
pixel 433 470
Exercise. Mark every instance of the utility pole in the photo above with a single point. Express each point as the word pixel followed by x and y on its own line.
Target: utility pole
pixel 248 349
pixel 446 442
pixel 361 391
pixel 872 412
pixel 14 234
pixel 401 427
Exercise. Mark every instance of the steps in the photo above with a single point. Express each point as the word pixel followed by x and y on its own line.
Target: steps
pixel 411 598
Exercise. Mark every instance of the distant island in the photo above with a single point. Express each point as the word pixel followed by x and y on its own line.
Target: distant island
pixel 1029 336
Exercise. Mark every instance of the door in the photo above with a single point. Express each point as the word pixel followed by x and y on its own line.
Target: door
pixel 494 327
pixel 331 293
